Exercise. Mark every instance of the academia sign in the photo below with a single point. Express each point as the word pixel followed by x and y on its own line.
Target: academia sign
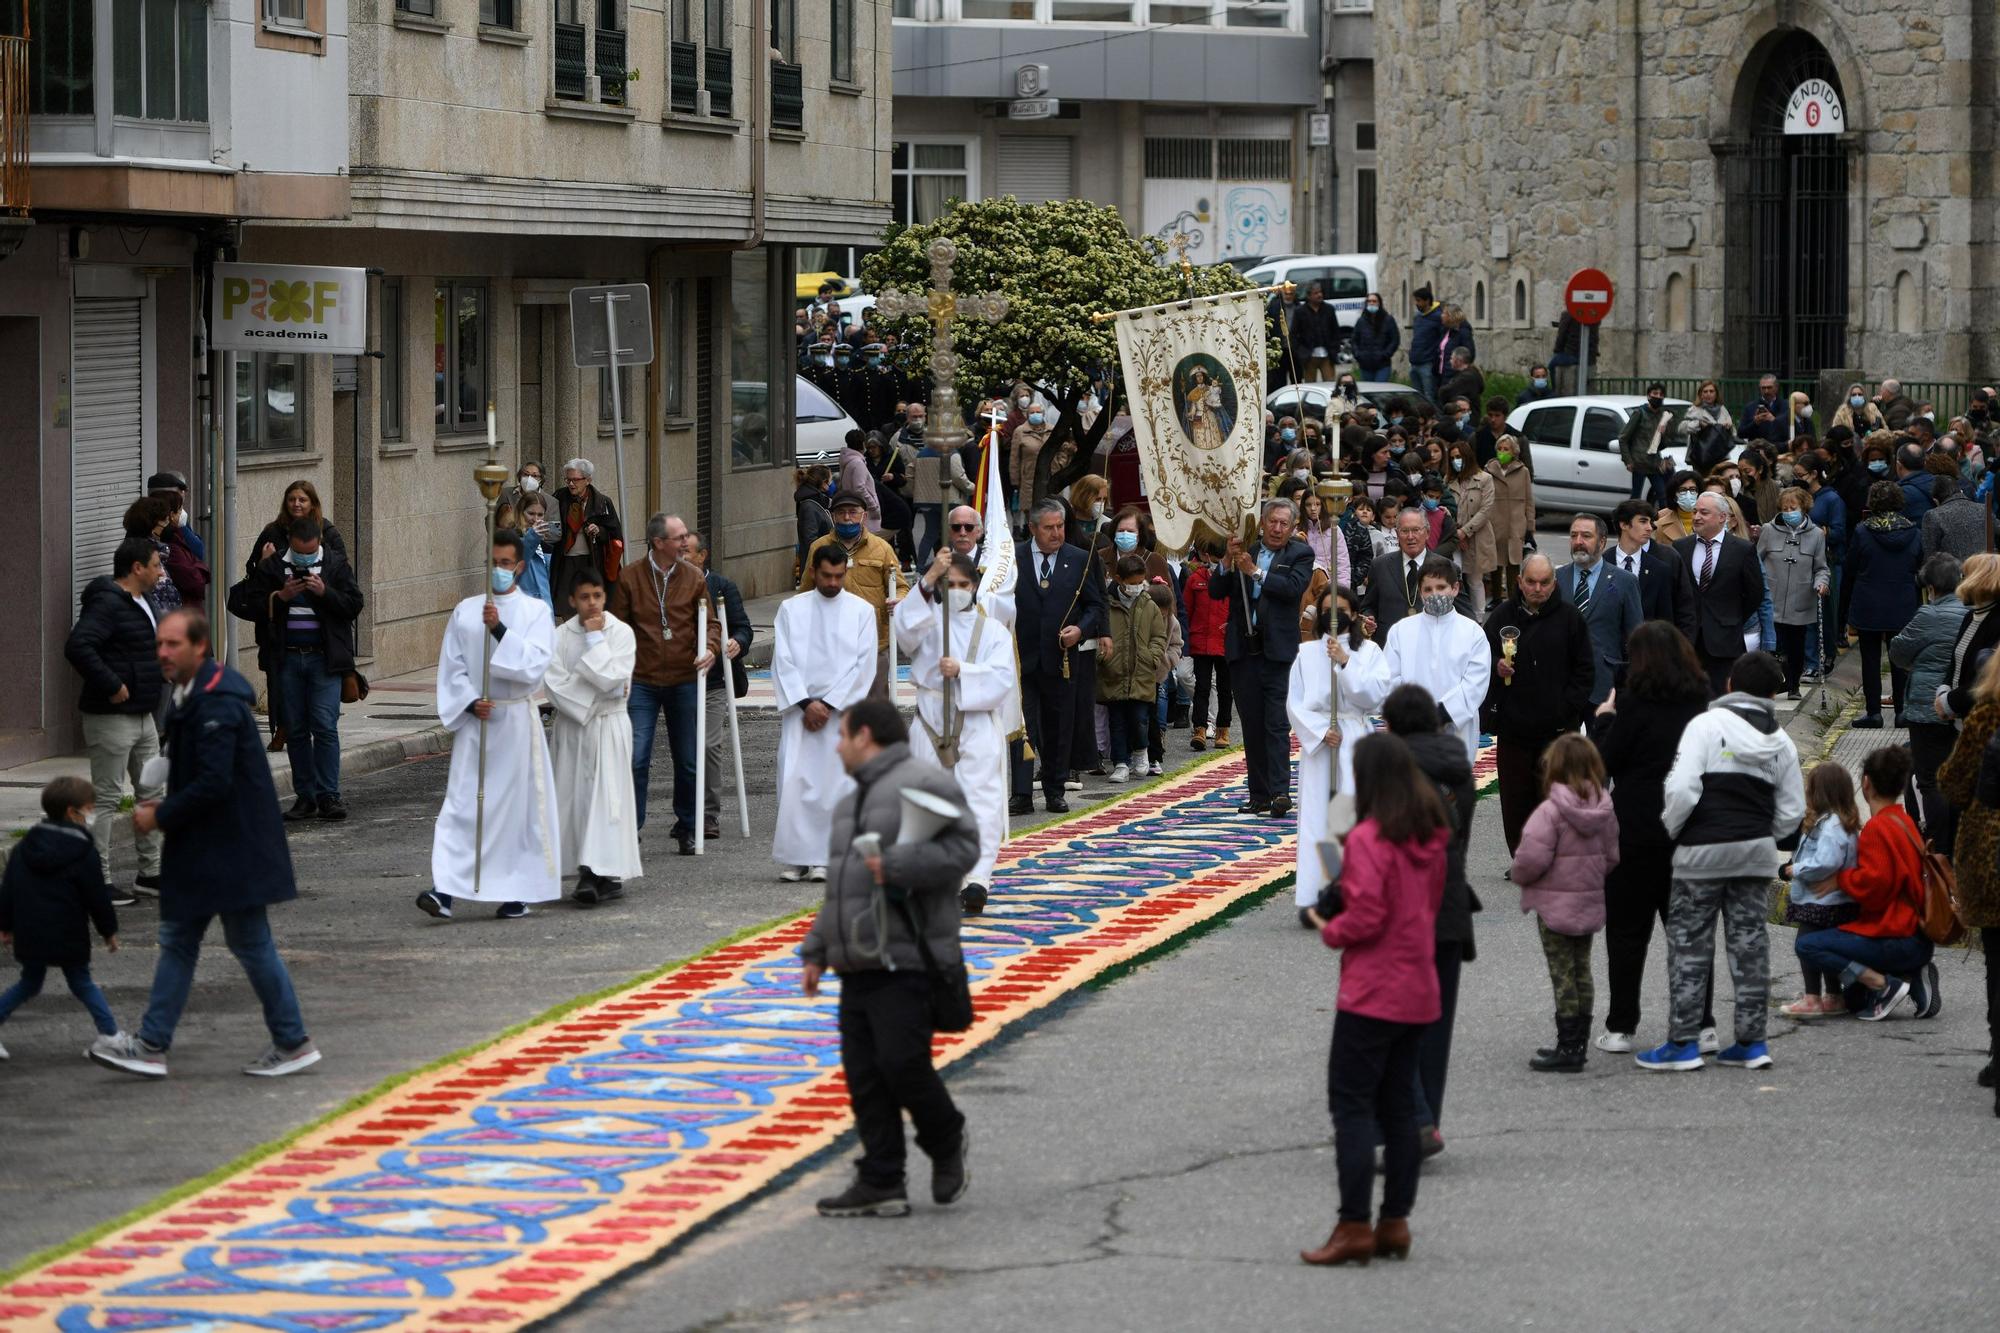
pixel 289 308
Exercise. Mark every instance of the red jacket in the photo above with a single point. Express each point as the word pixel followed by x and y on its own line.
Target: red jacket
pixel 1208 619
pixel 1389 926
pixel 1887 879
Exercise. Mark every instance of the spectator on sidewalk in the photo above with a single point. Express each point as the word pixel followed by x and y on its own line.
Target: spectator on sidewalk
pixel 145 520
pixel 112 648
pixel 538 532
pixel 1882 564
pixel 308 634
pixel 174 486
pixel 1955 525
pixel 1813 896
pixel 1733 792
pixel 590 527
pixel 1568 847
pixel 659 598
pixel 52 893
pixel 1923 652
pixel 903 901
pixel 590 746
pixel 225 857
pixel 730 675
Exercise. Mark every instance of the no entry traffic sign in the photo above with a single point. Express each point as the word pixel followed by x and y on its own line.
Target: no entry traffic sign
pixel 1588 296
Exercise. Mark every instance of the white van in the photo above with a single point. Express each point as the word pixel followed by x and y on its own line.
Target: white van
pixel 1346 279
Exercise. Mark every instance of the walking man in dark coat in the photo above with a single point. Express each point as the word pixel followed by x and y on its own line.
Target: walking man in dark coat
pixel 1059 617
pixel 225 856
pixel 1540 689
pixel 1263 587
pixel 1725 584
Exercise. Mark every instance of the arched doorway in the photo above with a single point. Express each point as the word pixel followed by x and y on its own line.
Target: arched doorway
pixel 1786 213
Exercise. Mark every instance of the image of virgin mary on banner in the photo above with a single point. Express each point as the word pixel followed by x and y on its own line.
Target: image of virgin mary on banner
pixel 1200 441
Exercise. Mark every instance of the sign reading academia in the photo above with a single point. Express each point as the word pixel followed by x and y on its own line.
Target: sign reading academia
pixel 289 308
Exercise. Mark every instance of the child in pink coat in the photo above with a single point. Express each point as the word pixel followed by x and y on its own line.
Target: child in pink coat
pixel 1385 922
pixel 1567 848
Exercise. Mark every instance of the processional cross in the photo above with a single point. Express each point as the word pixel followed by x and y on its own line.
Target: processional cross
pixel 941 431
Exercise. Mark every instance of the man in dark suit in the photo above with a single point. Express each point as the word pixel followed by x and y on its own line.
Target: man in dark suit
pixel 1058 605
pixel 1392 579
pixel 1607 597
pixel 1724 585
pixel 1263 587
pixel 1539 692
pixel 1662 592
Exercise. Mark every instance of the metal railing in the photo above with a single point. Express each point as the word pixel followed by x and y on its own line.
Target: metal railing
pixel 14 125
pixel 1947 397
pixel 572 67
pixel 684 78
pixel 611 67
pixel 788 96
pixel 719 77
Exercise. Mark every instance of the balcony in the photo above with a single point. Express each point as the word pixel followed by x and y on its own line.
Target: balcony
pixel 611 67
pixel 13 126
pixel 572 69
pixel 788 96
pixel 719 64
pixel 684 78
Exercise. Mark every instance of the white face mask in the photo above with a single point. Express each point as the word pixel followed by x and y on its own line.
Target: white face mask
pixel 961 600
pixel 531 484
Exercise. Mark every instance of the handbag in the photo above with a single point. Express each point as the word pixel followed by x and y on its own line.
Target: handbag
pixel 614 559
pixel 242 602
pixel 951 990
pixel 353 688
pixel 1937 896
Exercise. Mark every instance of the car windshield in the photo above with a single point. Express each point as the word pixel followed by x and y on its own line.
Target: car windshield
pixel 814 405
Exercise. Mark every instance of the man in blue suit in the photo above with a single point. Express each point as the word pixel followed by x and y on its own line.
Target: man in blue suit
pixel 1263 587
pixel 1058 614
pixel 1605 595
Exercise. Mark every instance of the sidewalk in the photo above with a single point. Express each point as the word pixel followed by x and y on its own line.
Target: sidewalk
pixel 398 721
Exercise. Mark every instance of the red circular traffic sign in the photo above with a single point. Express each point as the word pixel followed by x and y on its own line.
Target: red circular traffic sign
pixel 1588 296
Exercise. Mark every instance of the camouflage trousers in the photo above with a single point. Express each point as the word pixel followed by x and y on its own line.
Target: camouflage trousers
pixel 1691 913
pixel 1569 972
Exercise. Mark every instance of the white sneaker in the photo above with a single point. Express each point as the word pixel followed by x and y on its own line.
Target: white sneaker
pixel 1617 1043
pixel 5 1056
pixel 1119 772
pixel 791 874
pixel 275 1063
pixel 817 874
pixel 1709 1042
pixel 1158 769
pixel 1073 784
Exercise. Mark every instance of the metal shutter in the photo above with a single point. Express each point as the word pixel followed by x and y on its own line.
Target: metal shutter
pixel 1036 169
pixel 107 432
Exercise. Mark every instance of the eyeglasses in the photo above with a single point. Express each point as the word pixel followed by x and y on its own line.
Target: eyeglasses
pixel 965 527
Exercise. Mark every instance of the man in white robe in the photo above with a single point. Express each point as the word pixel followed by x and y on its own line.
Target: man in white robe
pixel 1444 652
pixel 822 663
pixel 591 744
pixel 518 860
pixel 980 666
pixel 1337 682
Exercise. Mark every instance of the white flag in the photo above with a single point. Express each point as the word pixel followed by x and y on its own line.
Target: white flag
pixel 1194 375
pixel 992 501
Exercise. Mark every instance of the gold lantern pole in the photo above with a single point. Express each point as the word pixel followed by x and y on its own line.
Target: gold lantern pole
pixel 490 476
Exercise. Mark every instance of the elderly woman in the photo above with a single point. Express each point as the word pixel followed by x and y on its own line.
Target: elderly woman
pixel 589 531
pixel 1793 550
pixel 1923 651
pixel 1882 560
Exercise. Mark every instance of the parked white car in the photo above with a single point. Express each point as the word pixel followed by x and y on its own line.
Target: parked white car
pixel 1310 399
pixel 1345 279
pixel 1574 443
pixel 821 424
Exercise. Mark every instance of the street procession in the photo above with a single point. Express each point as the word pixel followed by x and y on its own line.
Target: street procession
pixel 956 689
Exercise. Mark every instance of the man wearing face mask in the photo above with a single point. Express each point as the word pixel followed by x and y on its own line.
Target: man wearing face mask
pixel 309 637
pixel 879 389
pixel 1426 332
pixel 1444 651
pixel 1316 335
pixel 1375 339
pixel 1915 480
pixel 1639 444
pixel 1467 382
pixel 870 572
pixel 517 860
pixel 1538 388
pixel 1539 691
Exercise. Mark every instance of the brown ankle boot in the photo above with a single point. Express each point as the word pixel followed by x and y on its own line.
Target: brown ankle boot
pixel 1199 741
pixel 1350 1243
pixel 1222 738
pixel 1392 1238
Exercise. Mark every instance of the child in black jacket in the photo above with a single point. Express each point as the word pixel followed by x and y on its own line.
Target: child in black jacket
pixel 52 892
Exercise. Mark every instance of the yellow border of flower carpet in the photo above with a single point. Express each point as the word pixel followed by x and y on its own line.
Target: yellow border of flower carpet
pixel 496 1189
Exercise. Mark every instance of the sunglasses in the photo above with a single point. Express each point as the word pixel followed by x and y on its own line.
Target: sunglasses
pixel 965 527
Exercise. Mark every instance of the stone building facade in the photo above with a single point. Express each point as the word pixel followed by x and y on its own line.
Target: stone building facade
pixel 1520 143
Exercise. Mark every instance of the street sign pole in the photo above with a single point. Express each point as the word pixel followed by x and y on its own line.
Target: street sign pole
pixel 627 341
pixel 1582 359
pixel 1587 297
pixel 617 404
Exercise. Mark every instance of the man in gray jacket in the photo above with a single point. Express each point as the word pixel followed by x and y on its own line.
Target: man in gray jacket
pixel 863 933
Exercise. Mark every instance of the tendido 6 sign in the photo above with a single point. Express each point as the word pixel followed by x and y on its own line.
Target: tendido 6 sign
pixel 289 308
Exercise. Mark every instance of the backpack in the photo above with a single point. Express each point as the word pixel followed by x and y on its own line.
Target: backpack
pixel 1937 896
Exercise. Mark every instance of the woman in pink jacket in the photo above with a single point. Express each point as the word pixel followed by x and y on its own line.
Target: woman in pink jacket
pixel 1391 881
pixel 1567 848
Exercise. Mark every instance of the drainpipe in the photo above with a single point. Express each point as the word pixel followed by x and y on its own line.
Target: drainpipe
pixel 1638 181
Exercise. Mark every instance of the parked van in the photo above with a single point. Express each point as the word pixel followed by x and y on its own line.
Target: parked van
pixel 1346 279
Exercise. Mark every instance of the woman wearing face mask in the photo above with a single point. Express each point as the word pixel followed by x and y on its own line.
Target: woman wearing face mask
pixel 1131 533
pixel 528 481
pixel 1338 679
pixel 1478 551
pixel 1375 339
pixel 1882 560
pixel 890 471
pixel 1128 659
pixel 1676 520
pixel 1513 515
pixel 1857 412
pixel 1036 425
pixel 1376 468
pixel 1793 549
pixel 1089 495
pixel 1802 415
pixel 1759 495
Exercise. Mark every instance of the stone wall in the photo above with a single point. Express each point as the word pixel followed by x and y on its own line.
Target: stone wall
pixel 1517 146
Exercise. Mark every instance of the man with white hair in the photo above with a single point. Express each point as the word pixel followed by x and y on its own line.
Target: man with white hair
pixel 1723 583
pixel 589 527
pixel 1895 406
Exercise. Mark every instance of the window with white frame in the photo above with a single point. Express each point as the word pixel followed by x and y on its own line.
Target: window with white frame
pixel 464 325
pixel 159 60
pixel 927 174
pixel 285 13
pixel 840 19
pixel 1266 15
pixel 270 393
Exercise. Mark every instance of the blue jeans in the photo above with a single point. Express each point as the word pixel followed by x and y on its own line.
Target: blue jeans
pixel 248 934
pixel 80 985
pixel 933 521
pixel 1843 954
pixel 312 729
pixel 645 705
pixel 1424 379
pixel 1128 728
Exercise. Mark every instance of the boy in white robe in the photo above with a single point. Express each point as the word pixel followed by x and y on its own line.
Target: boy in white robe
pixel 518 860
pixel 822 663
pixel 1337 682
pixel 981 667
pixel 1444 652
pixel 591 744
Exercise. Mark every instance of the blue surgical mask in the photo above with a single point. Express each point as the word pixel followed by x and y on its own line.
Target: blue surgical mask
pixel 847 532
pixel 1034 418
pixel 1465 422
pixel 1288 435
pixel 503 580
pixel 1792 518
pixel 1857 402
pixel 1125 541
pixel 304 561
pixel 1541 382
pixel 1879 466
pixel 1395 418
pixel 1685 501
pixel 1430 502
